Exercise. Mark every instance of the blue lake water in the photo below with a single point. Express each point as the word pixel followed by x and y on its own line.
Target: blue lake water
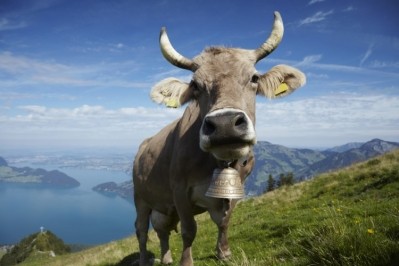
pixel 78 216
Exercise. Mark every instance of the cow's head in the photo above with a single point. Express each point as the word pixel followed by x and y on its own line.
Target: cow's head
pixel 224 85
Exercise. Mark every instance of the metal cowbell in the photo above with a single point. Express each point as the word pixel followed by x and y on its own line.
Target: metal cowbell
pixel 226 184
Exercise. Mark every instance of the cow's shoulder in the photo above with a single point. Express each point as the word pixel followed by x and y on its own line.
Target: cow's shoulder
pixel 154 152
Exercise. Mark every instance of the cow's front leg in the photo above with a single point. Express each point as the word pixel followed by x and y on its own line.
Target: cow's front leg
pixel 188 227
pixel 221 217
pixel 189 230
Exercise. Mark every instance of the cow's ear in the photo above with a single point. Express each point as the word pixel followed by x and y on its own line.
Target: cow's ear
pixel 280 81
pixel 171 92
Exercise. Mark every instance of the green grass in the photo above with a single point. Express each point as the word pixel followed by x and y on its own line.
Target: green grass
pixel 2 253
pixel 348 217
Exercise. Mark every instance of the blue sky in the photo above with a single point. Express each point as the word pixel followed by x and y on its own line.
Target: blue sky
pixel 77 74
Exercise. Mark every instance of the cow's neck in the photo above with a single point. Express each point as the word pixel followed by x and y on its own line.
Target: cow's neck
pixel 186 144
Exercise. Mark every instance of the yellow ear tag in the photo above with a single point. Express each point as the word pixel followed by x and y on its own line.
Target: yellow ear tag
pixel 281 89
pixel 172 103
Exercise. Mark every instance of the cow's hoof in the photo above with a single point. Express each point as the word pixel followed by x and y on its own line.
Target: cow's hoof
pixel 187 262
pixel 167 258
pixel 224 254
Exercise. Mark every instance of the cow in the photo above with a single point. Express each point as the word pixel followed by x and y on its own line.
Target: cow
pixel 173 169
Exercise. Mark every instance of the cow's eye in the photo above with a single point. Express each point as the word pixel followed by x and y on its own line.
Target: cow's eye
pixel 255 78
pixel 195 87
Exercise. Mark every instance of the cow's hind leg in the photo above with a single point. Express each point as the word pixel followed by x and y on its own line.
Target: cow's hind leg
pixel 163 225
pixel 142 225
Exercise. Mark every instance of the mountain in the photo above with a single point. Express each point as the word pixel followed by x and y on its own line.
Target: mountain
pixel 272 159
pixel 346 147
pixel 348 217
pixel 366 151
pixel 124 189
pixel 27 175
pixel 304 164
pixel 42 244
pixel 3 162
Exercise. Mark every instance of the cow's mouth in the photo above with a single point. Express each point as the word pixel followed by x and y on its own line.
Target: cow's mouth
pixel 228 134
pixel 230 152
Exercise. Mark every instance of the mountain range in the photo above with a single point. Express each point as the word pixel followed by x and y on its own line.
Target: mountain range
pixel 38 177
pixel 272 159
pixel 305 163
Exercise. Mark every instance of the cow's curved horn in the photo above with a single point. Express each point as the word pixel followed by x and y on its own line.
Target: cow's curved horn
pixel 172 55
pixel 273 40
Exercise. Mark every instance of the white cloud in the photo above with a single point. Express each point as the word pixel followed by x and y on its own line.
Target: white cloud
pixel 311 2
pixel 329 120
pixel 322 121
pixel 312 62
pixel 34 109
pixel 6 24
pixel 178 73
pixel 309 60
pixel 86 125
pixel 317 17
pixel 19 65
pixel 383 64
pixel 348 9
pixel 23 71
pixel 367 54
pixel 310 75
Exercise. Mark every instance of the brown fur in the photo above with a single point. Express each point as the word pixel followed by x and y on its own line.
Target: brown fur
pixel 172 173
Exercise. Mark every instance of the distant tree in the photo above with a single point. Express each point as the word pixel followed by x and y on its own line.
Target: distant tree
pixel 271 183
pixel 281 180
pixel 286 179
pixel 289 179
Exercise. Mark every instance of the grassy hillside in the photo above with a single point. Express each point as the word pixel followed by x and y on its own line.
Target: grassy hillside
pixel 43 243
pixel 348 217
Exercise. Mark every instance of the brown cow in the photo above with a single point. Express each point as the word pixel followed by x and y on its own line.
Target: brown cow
pixel 173 169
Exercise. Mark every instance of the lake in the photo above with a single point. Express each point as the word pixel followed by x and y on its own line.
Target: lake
pixel 77 216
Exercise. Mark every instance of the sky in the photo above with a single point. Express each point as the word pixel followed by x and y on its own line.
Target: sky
pixel 76 75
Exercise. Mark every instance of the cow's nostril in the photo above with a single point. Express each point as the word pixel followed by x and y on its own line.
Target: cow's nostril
pixel 240 120
pixel 208 127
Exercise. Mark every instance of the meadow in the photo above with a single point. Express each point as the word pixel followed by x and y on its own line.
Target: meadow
pixel 346 217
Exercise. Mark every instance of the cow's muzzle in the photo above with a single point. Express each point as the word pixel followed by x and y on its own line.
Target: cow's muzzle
pixel 227 133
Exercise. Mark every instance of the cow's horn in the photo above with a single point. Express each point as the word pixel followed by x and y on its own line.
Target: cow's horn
pixel 172 55
pixel 273 40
